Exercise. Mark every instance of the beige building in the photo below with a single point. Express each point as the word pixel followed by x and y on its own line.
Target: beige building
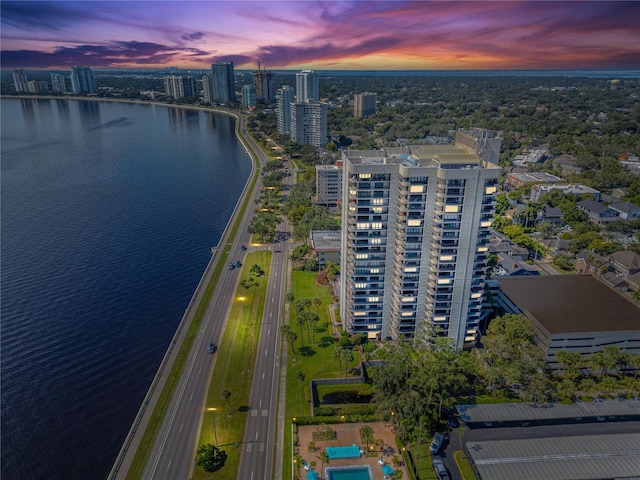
pixel 364 104
pixel 329 184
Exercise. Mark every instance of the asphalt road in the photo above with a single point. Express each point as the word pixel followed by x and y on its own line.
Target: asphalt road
pixel 257 457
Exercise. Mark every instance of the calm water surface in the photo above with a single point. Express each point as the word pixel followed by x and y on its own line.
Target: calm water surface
pixel 108 212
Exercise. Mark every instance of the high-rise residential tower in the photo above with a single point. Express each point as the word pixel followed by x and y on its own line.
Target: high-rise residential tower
pixel 364 104
pixel 285 96
pixel 82 80
pixel 415 233
pixel 58 83
pixel 224 83
pixel 309 123
pixel 207 88
pixel 20 80
pixel 248 96
pixel 179 87
pixel 307 87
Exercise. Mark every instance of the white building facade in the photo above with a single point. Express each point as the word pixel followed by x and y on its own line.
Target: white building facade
pixel 309 123
pixel 285 96
pixel 415 234
pixel 307 86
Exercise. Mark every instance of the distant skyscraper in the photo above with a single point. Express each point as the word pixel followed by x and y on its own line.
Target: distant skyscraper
pixel 307 86
pixel 207 88
pixel 179 87
pixel 58 84
pixel 20 81
pixel 309 123
pixel 265 86
pixel 38 86
pixel 224 88
pixel 364 104
pixel 415 234
pixel 248 96
pixel 82 80
pixel 285 96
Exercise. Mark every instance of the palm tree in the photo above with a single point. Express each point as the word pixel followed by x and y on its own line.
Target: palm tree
pixel 290 297
pixel 366 433
pixel 324 458
pixel 337 355
pixel 316 303
pixel 226 394
pixel 287 332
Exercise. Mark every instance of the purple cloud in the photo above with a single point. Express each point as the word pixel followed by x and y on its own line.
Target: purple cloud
pixel 192 37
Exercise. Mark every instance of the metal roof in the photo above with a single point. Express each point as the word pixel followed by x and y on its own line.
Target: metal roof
pixel 558 458
pixel 518 412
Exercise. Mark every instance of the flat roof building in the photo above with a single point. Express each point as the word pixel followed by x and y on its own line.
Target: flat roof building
pixel 577 313
pixel 329 184
pixel 326 245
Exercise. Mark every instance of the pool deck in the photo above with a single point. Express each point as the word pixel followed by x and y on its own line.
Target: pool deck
pixel 348 434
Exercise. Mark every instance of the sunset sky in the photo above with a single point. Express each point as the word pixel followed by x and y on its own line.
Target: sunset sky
pixel 338 35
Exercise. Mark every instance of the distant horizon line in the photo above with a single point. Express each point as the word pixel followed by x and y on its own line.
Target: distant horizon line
pixel 161 69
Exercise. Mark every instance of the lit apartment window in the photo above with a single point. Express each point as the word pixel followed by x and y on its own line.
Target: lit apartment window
pixel 483 249
pixel 407 314
pixel 360 285
pixel 476 295
pixel 410 269
pixel 364 175
pixel 439 319
pixel 485 224
pixel 414 223
pixel 408 299
pixel 359 314
pixel 377 201
pixel 362 256
pixel 416 188
pixel 375 241
pixel 444 281
pixel 363 226
pixel 451 208
pixel 490 190
pixel 376 226
pixel 377 210
pixel 374 299
pixel 374 270
pixel 446 258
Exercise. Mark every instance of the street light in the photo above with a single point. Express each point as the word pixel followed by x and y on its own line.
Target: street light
pixel 244 318
pixel 213 415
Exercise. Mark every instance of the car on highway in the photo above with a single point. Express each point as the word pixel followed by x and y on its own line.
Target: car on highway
pixel 231 266
pixel 212 348
pixel 238 264
pixel 243 247
pixel 440 469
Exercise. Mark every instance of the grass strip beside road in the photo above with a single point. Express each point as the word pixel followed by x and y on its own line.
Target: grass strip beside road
pixel 153 427
pixel 464 466
pixel 235 362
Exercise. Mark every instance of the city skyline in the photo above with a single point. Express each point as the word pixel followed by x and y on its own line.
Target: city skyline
pixel 341 35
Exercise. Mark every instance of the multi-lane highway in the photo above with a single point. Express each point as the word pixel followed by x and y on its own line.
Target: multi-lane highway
pixel 173 453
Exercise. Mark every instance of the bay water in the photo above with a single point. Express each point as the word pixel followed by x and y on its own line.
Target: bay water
pixel 108 215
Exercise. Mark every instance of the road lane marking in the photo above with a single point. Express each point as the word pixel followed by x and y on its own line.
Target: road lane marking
pixel 265 352
pixel 265 412
pixel 169 466
pixel 263 375
pixel 256 436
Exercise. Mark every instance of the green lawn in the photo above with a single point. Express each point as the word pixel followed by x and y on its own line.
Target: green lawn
pixel 235 360
pixel 464 466
pixel 313 358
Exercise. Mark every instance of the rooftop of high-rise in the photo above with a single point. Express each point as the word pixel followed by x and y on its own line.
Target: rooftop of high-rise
pixel 444 156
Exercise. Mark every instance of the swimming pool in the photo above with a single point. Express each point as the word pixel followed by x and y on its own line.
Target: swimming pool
pixel 348 473
pixel 347 451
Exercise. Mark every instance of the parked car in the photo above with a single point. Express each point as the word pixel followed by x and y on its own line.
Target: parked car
pixel 436 443
pixel 440 469
pixel 212 348
pixel 453 421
